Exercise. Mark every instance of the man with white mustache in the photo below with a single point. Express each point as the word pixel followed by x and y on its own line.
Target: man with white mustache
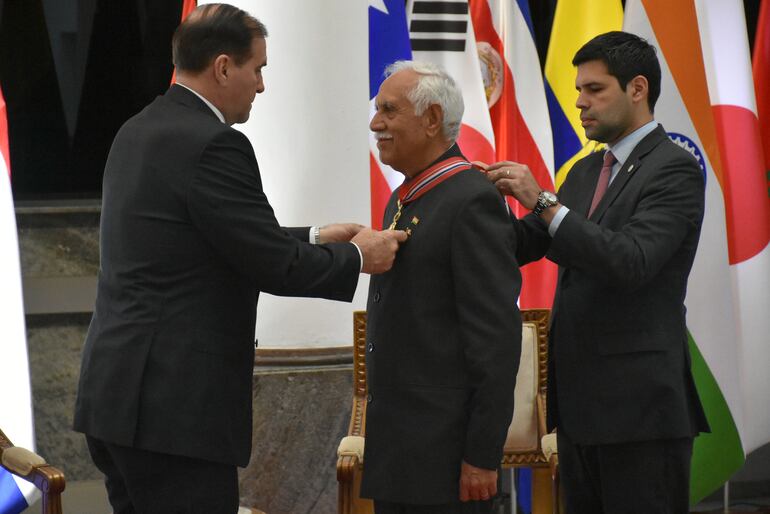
pixel 443 329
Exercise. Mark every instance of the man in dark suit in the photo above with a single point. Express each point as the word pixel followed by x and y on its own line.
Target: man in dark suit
pixel 443 328
pixel 188 241
pixel 624 230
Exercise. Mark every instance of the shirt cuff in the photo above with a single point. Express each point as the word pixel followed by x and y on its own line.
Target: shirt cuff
pixel 557 219
pixel 361 257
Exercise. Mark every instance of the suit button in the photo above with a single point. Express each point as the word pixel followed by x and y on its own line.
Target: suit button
pixel 377 297
pixel 369 398
pixel 371 347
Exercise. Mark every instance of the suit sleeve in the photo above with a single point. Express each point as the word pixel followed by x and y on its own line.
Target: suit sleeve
pixel 532 238
pixel 227 204
pixel 669 207
pixel 300 233
pixel 487 283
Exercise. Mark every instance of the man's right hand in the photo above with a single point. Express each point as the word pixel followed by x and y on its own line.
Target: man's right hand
pixel 378 248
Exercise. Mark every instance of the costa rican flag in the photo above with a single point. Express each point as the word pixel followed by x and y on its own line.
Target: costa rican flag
pixel 515 94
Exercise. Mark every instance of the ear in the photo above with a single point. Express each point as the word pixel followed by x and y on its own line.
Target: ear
pixel 639 88
pixel 221 66
pixel 433 120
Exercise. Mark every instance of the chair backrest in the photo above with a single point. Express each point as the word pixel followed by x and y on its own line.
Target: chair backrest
pixel 522 445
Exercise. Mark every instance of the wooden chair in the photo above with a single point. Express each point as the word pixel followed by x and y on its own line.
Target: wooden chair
pixel 33 468
pixel 522 446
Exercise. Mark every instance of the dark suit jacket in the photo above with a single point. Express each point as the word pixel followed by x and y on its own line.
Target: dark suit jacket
pixel 188 241
pixel 619 358
pixel 444 338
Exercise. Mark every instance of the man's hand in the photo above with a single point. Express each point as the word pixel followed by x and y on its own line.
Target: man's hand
pixel 378 248
pixel 515 179
pixel 339 232
pixel 477 483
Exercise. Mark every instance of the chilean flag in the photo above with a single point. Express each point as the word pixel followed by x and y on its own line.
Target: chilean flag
pixel 388 43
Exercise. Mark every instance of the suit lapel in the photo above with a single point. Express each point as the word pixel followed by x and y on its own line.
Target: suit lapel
pixel 629 169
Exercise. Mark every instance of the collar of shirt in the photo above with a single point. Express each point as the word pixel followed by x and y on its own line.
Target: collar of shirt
pixel 623 148
pixel 211 105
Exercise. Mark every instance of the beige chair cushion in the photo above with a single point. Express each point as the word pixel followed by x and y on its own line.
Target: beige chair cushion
pixel 549 446
pixel 352 445
pixel 522 433
pixel 21 461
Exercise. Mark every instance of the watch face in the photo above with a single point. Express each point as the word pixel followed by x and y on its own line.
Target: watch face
pixel 550 198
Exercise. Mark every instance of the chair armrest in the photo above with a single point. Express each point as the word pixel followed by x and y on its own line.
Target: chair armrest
pixel 21 461
pixel 33 468
pixel 352 445
pixel 550 448
pixel 350 457
pixel 551 453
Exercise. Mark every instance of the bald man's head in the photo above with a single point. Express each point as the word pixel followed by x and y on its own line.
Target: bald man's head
pixel 212 30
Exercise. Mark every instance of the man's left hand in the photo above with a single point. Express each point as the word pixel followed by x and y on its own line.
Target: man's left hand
pixel 512 178
pixel 477 483
pixel 340 232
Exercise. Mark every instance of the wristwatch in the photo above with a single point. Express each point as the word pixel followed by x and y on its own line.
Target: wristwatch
pixel 544 200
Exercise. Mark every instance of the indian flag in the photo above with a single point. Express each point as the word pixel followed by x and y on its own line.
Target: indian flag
pixel 15 394
pixel 706 102
pixel 575 22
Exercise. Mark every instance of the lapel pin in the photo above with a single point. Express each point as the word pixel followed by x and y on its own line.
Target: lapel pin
pixel 630 169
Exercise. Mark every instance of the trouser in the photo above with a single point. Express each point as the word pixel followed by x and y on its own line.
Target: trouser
pixel 646 477
pixel 144 482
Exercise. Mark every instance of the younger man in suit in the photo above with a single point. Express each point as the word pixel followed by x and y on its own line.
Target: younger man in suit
pixel 624 230
pixel 443 329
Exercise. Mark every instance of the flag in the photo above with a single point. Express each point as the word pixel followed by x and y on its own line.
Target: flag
pixel 188 6
pixel 518 110
pixel 575 22
pixel 441 32
pixel 747 205
pixel 388 43
pixel 762 81
pixel 15 394
pixel 713 306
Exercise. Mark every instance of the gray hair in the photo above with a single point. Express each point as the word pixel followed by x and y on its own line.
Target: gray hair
pixel 434 86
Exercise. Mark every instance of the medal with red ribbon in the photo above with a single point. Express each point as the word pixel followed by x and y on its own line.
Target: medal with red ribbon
pixel 414 188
